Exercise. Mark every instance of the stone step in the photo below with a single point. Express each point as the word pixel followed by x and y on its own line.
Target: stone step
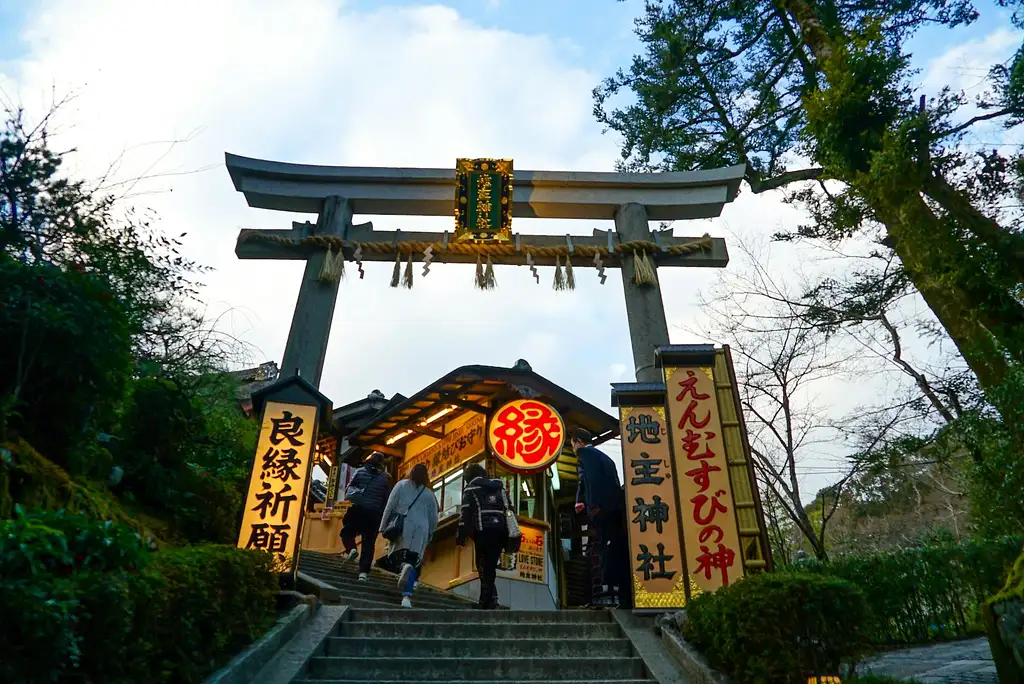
pixel 479 681
pixel 337 575
pixel 479 630
pixel 483 616
pixel 355 592
pixel 472 669
pixel 386 589
pixel 374 647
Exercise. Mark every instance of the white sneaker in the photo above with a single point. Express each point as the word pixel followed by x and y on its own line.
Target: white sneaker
pixel 362 577
pixel 403 576
pixel 406 602
pixel 351 555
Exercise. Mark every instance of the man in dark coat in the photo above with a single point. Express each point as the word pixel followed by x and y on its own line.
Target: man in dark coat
pixel 600 494
pixel 368 494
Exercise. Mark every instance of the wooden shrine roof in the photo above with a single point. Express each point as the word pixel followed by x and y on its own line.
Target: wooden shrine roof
pixel 467 389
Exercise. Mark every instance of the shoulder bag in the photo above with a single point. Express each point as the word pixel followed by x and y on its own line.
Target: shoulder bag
pixel 515 535
pixel 393 530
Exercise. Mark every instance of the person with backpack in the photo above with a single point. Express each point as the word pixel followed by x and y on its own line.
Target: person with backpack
pixel 485 505
pixel 409 523
pixel 367 493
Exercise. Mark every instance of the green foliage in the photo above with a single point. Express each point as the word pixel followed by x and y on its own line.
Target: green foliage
pixel 75 607
pixel 65 355
pixel 780 628
pixel 58 543
pixel 103 362
pixel 926 594
pixel 186 452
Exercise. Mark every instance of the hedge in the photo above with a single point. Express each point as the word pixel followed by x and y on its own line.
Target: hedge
pixel 927 594
pixel 779 628
pixel 83 601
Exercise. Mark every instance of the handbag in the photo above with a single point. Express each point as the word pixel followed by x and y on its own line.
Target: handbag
pixel 393 530
pixel 515 535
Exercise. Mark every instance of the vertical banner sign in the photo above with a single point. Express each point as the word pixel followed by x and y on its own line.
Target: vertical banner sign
pixel 659 572
pixel 710 534
pixel 277 485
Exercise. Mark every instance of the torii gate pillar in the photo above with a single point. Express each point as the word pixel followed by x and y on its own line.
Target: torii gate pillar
pixel 645 309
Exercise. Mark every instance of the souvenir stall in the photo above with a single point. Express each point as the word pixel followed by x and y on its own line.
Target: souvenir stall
pixel 516 424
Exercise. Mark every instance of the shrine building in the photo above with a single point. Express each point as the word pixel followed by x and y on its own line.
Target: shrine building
pixel 445 426
pixel 694 519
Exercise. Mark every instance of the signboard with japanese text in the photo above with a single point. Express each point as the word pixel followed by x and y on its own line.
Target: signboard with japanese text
pixel 483 200
pixel 526 435
pixel 277 485
pixel 710 533
pixel 658 561
pixel 529 563
pixel 455 448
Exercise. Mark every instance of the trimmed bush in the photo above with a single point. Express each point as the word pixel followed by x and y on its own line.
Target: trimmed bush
pixel 779 628
pixel 74 605
pixel 927 594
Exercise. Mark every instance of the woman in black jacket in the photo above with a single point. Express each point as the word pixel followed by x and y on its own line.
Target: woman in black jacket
pixel 368 493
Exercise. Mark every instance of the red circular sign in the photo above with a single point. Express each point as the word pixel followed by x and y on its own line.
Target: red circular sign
pixel 526 435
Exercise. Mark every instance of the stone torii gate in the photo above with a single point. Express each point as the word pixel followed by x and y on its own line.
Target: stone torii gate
pixel 335 193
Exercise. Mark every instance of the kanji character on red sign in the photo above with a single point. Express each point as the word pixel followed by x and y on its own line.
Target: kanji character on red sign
pixel 716 507
pixel 702 475
pixel 722 559
pixel 530 435
pixel 689 416
pixel 691 442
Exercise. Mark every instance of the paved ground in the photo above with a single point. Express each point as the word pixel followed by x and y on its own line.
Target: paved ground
pixel 958 662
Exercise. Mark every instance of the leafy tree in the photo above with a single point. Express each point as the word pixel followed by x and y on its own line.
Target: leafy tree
pixel 104 359
pixel 821 90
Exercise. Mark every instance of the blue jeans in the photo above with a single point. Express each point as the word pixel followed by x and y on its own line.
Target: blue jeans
pixel 412 559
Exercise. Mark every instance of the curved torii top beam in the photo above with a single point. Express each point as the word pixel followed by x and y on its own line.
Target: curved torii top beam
pixel 303 188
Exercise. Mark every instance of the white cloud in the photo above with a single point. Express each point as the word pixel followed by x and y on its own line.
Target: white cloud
pixel 321 83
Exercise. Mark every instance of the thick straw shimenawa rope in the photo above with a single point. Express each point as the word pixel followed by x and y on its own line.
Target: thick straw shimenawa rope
pixel 626 248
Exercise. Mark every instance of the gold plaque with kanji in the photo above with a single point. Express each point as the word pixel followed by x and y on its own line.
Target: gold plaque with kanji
pixel 483 200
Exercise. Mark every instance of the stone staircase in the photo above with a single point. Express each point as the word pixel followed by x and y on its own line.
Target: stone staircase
pixel 405 646
pixel 379 591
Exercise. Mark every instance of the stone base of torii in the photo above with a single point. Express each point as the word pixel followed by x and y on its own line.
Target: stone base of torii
pixel 335 193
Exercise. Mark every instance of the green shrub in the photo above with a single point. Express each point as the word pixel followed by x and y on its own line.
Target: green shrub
pixel 65 355
pixel 98 618
pixel 186 453
pixel 779 628
pixel 930 593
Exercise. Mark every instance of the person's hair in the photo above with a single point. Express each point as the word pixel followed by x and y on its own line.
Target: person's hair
pixel 581 435
pixel 473 472
pixel 376 458
pixel 419 475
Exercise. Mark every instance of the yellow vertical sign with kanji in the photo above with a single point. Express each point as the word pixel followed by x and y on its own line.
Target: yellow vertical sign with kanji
pixel 277 485
pixel 656 550
pixel 710 533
